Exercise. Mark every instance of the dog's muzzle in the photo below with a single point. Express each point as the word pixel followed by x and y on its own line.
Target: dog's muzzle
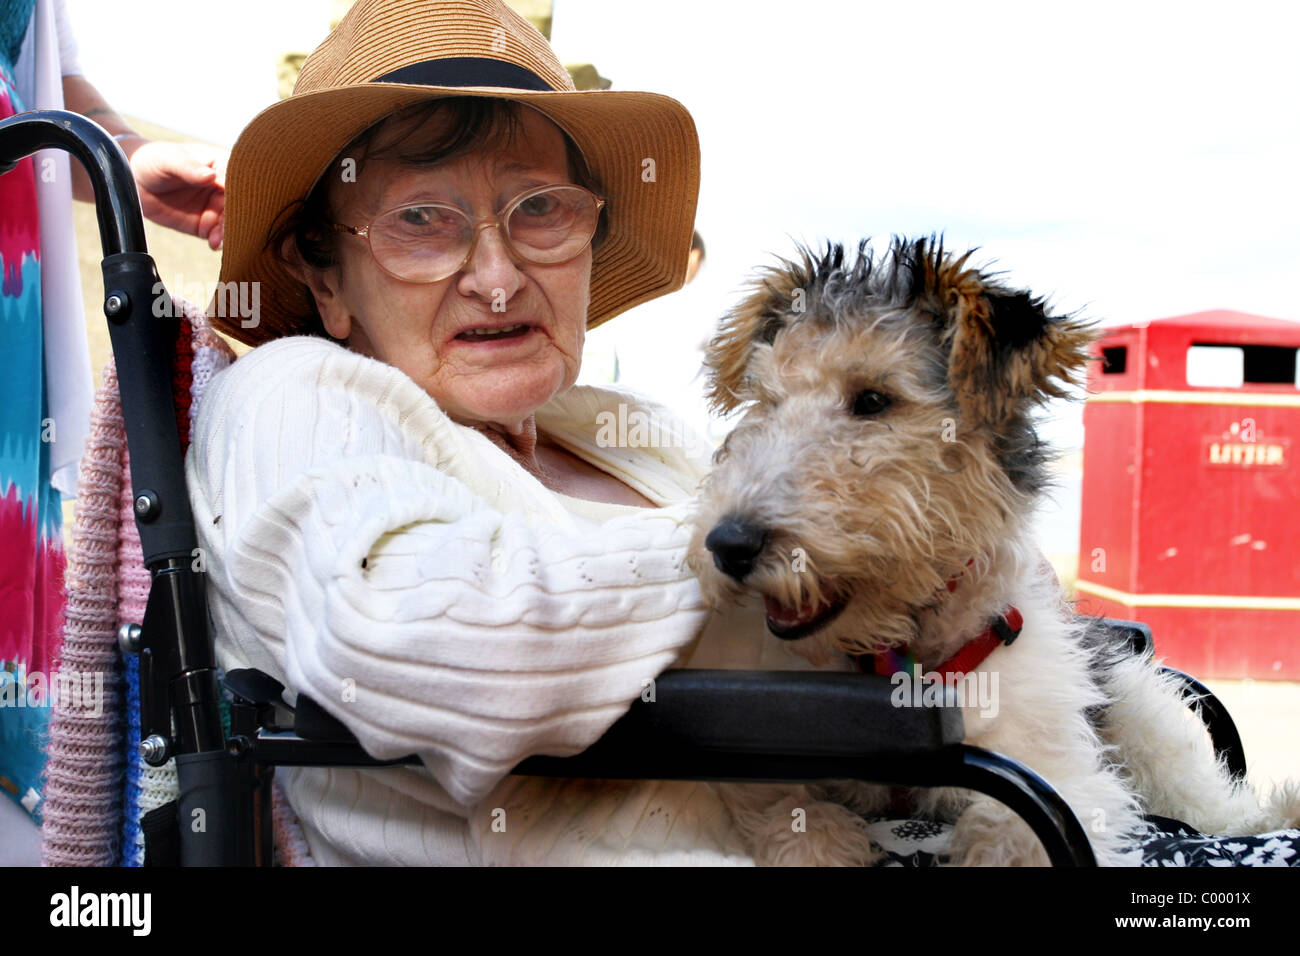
pixel 736 545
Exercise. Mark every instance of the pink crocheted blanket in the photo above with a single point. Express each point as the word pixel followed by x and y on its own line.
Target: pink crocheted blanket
pixel 106 584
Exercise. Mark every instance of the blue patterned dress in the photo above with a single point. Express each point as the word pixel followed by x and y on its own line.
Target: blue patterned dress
pixel 31 542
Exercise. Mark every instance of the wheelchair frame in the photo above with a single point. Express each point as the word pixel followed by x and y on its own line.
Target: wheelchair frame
pixel 704 725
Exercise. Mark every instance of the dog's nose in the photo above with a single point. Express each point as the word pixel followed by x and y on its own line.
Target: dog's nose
pixel 736 545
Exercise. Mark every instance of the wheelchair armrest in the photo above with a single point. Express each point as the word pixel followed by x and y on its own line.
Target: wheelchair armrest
pixel 761 725
pixel 1134 633
pixel 783 712
pixel 776 713
pixel 721 725
pixel 313 722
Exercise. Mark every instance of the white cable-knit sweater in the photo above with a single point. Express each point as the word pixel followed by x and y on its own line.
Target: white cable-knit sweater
pixel 407 574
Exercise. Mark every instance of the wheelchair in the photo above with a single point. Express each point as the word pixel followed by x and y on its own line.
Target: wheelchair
pixel 705 725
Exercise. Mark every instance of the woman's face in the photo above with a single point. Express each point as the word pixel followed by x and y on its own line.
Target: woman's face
pixel 421 328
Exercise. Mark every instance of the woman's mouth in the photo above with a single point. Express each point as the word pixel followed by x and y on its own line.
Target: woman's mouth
pixel 490 334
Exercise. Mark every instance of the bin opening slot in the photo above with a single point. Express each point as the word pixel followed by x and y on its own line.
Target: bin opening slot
pixel 1115 360
pixel 1232 366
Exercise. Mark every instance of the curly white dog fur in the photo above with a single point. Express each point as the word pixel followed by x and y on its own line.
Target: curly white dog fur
pixel 875 495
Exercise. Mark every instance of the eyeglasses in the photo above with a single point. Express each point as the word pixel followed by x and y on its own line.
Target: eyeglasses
pixel 429 241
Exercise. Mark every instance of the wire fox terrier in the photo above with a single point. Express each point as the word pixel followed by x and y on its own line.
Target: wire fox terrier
pixel 875 494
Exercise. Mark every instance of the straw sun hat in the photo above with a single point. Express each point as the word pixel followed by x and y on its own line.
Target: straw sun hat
pixel 390 54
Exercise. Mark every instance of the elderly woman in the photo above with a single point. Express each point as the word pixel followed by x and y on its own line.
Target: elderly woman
pixel 405 501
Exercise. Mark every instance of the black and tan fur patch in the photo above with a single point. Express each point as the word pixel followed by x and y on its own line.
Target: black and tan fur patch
pixel 999 351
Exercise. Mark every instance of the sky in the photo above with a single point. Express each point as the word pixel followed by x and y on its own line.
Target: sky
pixel 1129 160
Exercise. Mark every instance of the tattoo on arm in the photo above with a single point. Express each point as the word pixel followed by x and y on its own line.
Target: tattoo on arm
pixel 106 111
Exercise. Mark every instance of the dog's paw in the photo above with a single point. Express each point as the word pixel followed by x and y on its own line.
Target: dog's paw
pixel 804 833
pixel 989 834
pixel 1281 811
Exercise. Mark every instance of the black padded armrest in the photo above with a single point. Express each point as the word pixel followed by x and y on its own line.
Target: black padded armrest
pixel 1134 633
pixel 313 722
pixel 760 725
pixel 785 712
pixel 715 712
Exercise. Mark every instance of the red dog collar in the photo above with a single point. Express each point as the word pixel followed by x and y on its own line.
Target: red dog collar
pixel 1003 629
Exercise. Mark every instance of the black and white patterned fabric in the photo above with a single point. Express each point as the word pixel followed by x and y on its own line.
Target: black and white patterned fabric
pixel 1173 843
pixel 1166 842
pixel 910 842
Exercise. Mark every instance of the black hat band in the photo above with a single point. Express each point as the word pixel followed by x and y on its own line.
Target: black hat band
pixel 467 71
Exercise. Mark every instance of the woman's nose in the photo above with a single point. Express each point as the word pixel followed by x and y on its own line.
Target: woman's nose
pixel 491 272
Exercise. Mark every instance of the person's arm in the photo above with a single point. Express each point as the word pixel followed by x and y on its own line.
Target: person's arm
pixel 79 96
pixel 181 185
pixel 424 619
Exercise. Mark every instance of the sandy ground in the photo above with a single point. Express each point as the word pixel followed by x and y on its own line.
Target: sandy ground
pixel 1267 715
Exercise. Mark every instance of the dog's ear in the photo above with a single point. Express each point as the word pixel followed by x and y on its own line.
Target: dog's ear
pixel 1005 350
pixel 776 298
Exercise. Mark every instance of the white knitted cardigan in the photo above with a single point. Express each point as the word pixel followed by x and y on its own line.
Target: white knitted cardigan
pixel 438 600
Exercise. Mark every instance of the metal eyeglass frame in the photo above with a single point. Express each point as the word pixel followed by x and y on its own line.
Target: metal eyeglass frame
pixel 500 219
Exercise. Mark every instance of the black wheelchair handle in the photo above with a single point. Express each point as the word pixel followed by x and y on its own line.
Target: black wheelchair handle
pixel 143 346
pixel 117 204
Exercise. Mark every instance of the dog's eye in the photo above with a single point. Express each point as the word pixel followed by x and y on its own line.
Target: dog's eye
pixel 868 402
pixel 772 324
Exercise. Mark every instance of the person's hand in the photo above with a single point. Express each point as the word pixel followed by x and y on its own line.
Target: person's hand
pixel 183 186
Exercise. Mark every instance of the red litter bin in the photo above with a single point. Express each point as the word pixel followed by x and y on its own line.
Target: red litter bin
pixel 1191 491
